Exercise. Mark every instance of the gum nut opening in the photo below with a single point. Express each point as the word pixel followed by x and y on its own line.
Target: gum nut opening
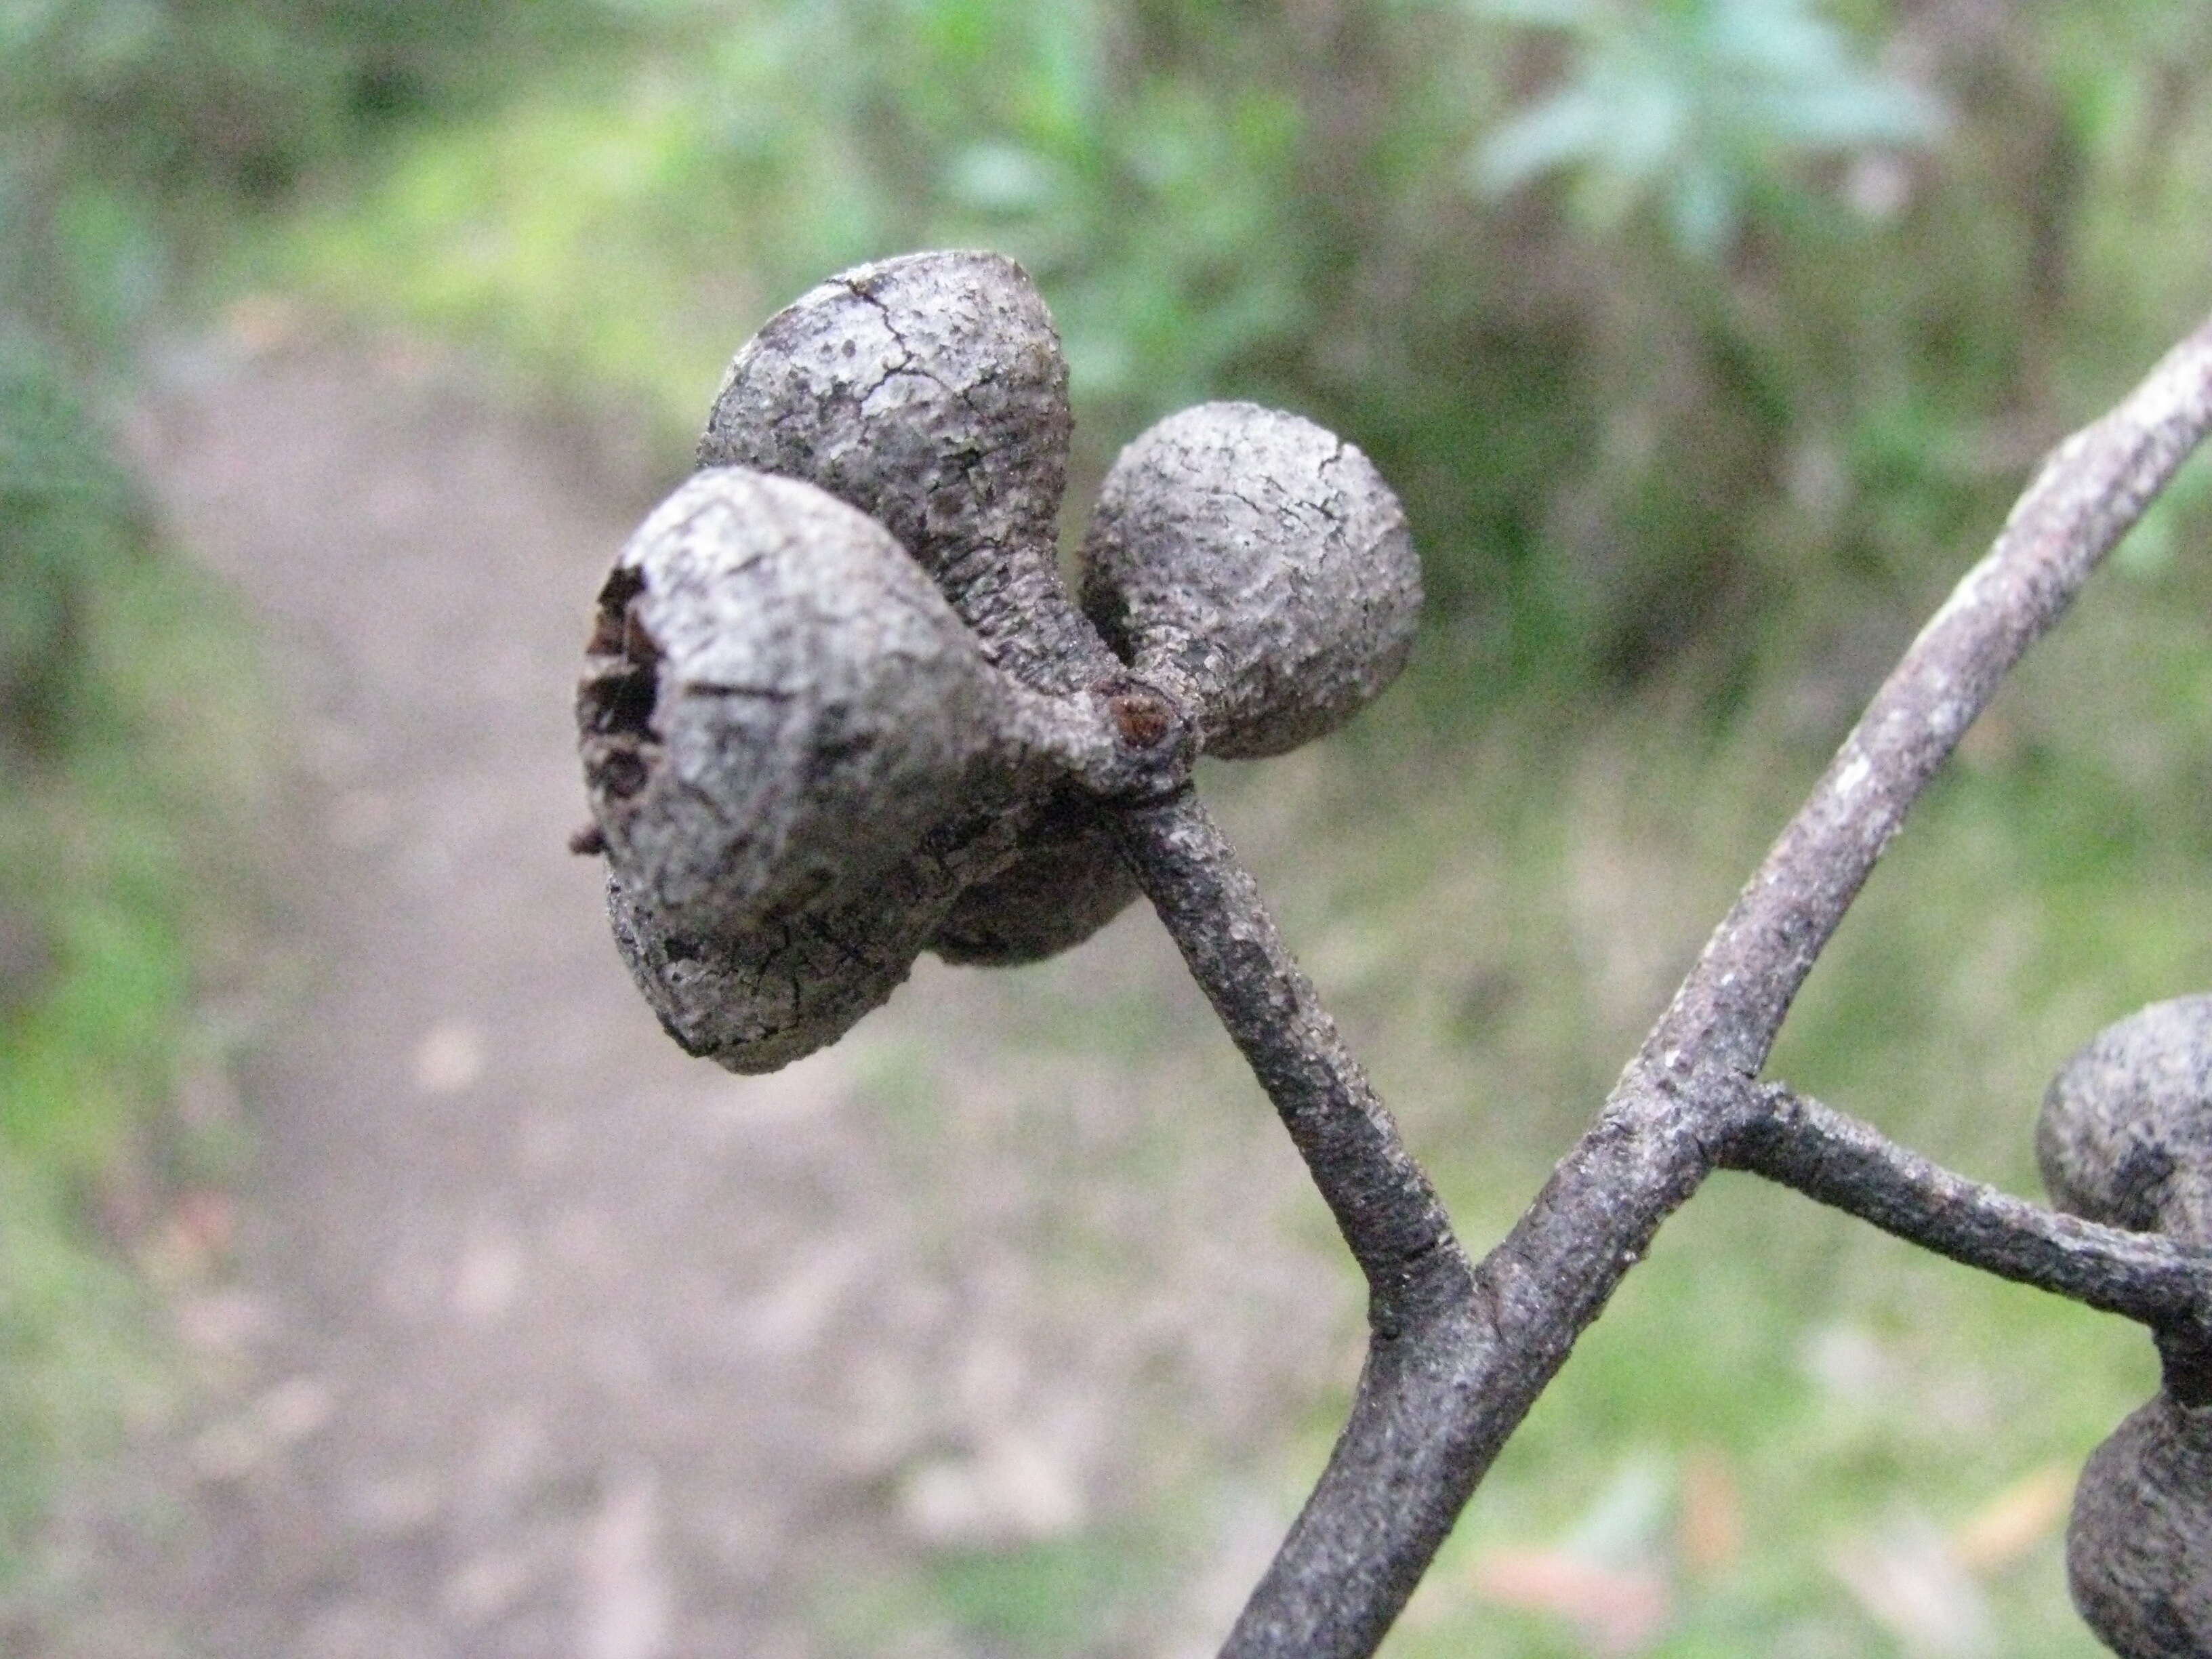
pixel 777 706
pixel 928 391
pixel 2125 1133
pixel 1263 559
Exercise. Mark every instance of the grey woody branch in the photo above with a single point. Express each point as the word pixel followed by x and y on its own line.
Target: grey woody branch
pixel 1434 1406
pixel 2088 493
pixel 1388 1213
pixel 838 709
pixel 1834 1157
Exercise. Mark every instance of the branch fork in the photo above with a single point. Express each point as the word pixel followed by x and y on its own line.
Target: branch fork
pixel 839 709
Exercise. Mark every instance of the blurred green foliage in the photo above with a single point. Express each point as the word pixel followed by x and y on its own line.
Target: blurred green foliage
pixel 127 738
pixel 1664 396
pixel 139 131
pixel 1750 310
pixel 1700 103
pixel 1501 946
pixel 134 138
pixel 73 523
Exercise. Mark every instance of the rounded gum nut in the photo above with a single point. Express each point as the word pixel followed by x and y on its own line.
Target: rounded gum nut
pixel 928 392
pixel 753 999
pixel 2139 1542
pixel 1065 882
pixel 2125 1133
pixel 1263 561
pixel 778 707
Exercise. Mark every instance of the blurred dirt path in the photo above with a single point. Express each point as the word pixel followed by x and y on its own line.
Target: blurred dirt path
pixel 543 1340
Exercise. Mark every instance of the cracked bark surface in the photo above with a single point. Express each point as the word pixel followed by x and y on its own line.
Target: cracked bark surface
pixel 2125 1137
pixel 1189 573
pixel 786 725
pixel 946 367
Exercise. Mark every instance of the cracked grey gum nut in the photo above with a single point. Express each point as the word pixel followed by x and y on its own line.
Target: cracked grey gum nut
pixel 1065 882
pixel 2125 1133
pixel 778 706
pixel 753 999
pixel 930 392
pixel 1263 560
pixel 2139 1542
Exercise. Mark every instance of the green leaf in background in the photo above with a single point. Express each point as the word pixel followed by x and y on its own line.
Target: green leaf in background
pixel 1696 103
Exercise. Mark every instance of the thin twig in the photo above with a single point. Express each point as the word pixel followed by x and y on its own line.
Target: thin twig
pixel 1447 1383
pixel 1834 1157
pixel 2089 492
pixel 1383 1203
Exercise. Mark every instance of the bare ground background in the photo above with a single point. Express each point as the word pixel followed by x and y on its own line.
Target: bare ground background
pixel 983 1331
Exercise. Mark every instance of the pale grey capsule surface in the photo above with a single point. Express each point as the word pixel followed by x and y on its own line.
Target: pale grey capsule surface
pixel 778 705
pixel 1261 560
pixel 929 391
pixel 2125 1133
pixel 1066 882
pixel 2139 1542
pixel 755 998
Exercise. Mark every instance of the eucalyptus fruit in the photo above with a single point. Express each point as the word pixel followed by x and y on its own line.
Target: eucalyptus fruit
pixel 838 705
pixel 2125 1138
pixel 1262 562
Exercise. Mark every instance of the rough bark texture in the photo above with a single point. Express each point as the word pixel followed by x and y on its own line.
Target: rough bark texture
pixel 797 794
pixel 1064 883
pixel 2125 1136
pixel 1839 1161
pixel 1429 1417
pixel 1456 1356
pixel 928 392
pixel 1388 1211
pixel 779 704
pixel 792 749
pixel 1262 562
pixel 1255 575
pixel 797 760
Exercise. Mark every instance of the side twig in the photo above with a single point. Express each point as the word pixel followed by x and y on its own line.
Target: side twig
pixel 1383 1203
pixel 1832 1156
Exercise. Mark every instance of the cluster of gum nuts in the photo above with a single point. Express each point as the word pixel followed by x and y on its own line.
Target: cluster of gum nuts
pixel 2125 1138
pixel 839 706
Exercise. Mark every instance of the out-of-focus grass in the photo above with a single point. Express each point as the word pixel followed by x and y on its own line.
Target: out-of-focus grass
pixel 1810 1438
pixel 123 870
pixel 1805 1437
pixel 585 241
pixel 1050 1599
